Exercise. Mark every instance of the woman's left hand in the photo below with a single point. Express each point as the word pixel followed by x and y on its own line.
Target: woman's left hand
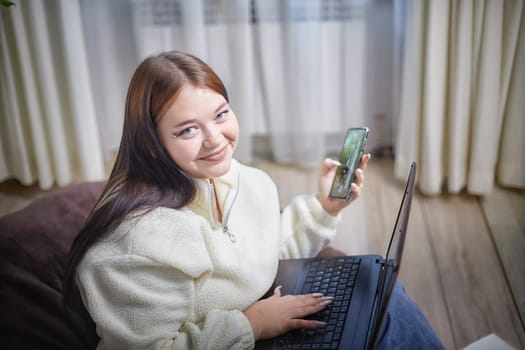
pixel 328 168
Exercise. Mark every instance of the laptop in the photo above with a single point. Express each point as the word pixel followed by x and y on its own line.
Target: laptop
pixel 361 286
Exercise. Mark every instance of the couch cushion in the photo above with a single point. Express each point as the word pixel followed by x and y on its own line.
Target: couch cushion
pixel 34 242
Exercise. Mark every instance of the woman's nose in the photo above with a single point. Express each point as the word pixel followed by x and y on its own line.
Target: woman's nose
pixel 212 136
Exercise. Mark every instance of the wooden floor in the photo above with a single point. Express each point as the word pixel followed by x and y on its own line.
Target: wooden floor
pixel 464 261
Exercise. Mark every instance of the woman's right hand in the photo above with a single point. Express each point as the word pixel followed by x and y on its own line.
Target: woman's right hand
pixel 278 314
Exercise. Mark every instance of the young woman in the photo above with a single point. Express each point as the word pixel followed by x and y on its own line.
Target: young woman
pixel 184 240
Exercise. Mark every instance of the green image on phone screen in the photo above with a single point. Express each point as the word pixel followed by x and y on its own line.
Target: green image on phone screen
pixel 349 158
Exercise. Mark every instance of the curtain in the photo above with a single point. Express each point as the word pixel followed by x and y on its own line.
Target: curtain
pixel 311 58
pixel 111 57
pixel 48 127
pixel 462 108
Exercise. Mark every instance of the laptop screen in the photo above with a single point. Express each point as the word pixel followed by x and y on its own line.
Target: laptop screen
pixel 397 240
pixel 392 262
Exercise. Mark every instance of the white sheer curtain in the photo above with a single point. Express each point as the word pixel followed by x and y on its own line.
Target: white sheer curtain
pixel 326 66
pixel 463 88
pixel 48 128
pixel 312 71
pixel 112 57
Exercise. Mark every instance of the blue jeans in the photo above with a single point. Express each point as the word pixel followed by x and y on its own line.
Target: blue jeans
pixel 405 326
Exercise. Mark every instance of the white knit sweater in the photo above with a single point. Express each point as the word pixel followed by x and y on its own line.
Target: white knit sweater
pixel 172 279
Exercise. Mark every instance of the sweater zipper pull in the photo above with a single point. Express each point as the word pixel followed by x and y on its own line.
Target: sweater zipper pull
pixel 227 232
pixel 228 208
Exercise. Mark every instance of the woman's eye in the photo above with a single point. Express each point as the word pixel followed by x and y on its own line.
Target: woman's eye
pixel 222 115
pixel 186 132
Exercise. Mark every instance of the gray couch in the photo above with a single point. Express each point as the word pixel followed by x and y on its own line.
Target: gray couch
pixel 34 242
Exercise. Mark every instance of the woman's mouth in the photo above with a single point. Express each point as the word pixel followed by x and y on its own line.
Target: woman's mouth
pixel 217 155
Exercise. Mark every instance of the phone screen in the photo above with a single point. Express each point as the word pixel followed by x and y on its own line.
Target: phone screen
pixel 349 158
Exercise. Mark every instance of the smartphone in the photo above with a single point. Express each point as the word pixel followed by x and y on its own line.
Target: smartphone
pixel 353 146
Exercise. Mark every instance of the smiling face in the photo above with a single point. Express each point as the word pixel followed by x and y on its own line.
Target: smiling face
pixel 200 132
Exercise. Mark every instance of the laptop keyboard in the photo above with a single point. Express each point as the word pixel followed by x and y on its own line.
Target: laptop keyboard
pixel 332 277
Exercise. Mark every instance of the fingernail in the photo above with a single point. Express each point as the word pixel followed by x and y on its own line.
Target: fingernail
pixel 328 297
pixel 321 323
pixel 335 162
pixel 317 295
pixel 326 302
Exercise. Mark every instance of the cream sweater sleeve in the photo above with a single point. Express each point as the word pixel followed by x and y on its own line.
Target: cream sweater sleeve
pixel 306 228
pixel 140 289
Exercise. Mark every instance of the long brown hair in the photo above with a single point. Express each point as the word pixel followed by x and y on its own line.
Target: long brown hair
pixel 144 175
